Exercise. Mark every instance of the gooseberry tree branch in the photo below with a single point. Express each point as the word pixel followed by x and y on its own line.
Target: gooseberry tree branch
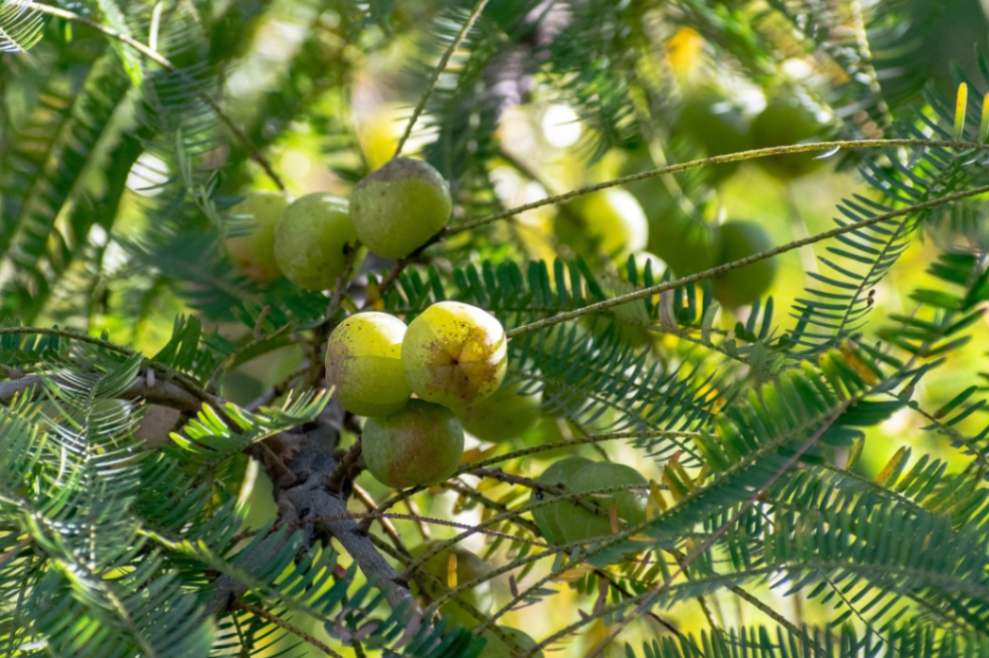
pixel 167 64
pixel 438 71
pixel 726 158
pixel 718 270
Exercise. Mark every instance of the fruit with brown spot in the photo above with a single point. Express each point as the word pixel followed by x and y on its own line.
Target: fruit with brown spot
pixel 454 354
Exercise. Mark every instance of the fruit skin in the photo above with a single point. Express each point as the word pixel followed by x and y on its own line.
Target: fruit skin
pixel 313 240
pixel 559 473
pixel 610 220
pixel 454 354
pixel 521 643
pixel 686 244
pixel 744 285
pixel 434 582
pixel 710 120
pixel 421 444
pixel 364 364
pixel 502 416
pixel 254 253
pixel 399 207
pixel 787 120
pixel 577 523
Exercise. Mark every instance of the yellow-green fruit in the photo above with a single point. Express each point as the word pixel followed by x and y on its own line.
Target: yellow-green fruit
pixel 787 120
pixel 314 239
pixel 400 206
pixel 611 219
pixel 519 644
pixel 710 120
pixel 449 569
pixel 421 444
pixel 579 522
pixel 454 354
pixel 687 244
pixel 558 474
pixel 503 415
pixel 743 285
pixel 364 364
pixel 254 253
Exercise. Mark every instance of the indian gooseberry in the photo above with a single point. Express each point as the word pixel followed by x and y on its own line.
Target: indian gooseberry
pixel 454 354
pixel 503 415
pixel 364 364
pixel 254 253
pixel 314 239
pixel 419 445
pixel 518 644
pixel 446 570
pixel 558 474
pixel 578 522
pixel 610 220
pixel 743 285
pixel 685 243
pixel 399 207
pixel 787 120
pixel 710 120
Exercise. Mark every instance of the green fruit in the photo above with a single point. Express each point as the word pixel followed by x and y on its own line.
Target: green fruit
pixel 558 473
pixel 504 415
pixel 254 253
pixel 743 285
pixel 610 220
pixel 421 444
pixel 314 239
pixel 400 207
pixel 435 580
pixel 364 364
pixel 711 121
pixel 686 244
pixel 519 644
pixel 454 354
pixel 787 120
pixel 578 523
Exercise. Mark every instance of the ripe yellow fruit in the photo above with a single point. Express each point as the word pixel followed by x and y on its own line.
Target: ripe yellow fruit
pixel 364 364
pixel 502 416
pixel 558 473
pixel 435 580
pixel 743 285
pixel 454 354
pixel 254 253
pixel 421 444
pixel 400 206
pixel 496 647
pixel 578 523
pixel 314 239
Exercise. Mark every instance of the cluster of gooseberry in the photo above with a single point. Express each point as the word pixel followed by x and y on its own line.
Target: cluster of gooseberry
pixel 452 356
pixel 392 212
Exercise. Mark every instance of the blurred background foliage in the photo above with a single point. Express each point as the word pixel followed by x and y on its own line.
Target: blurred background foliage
pixel 116 177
